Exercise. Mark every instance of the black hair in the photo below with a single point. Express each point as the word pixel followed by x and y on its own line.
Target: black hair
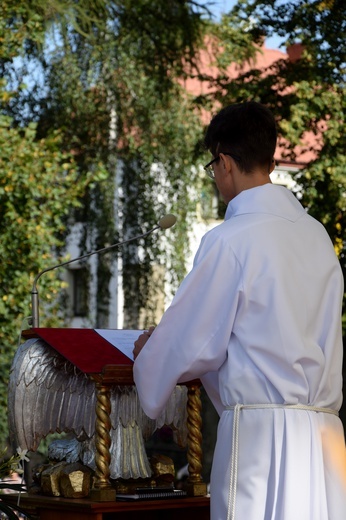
pixel 248 131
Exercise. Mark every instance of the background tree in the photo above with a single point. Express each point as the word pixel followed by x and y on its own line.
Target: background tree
pixel 84 86
pixel 118 65
pixel 37 188
pixel 306 93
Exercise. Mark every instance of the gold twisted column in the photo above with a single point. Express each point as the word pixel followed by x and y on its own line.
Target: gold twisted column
pixel 102 488
pixel 195 485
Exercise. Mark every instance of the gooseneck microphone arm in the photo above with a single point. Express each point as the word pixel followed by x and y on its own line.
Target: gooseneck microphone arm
pixel 165 222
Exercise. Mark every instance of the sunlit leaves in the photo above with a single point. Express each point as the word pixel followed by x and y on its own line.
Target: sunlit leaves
pixel 38 186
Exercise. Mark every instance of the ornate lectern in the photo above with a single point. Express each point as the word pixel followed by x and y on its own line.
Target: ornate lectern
pixel 63 378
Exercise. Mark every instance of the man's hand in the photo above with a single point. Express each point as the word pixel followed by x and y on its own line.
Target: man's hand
pixel 141 341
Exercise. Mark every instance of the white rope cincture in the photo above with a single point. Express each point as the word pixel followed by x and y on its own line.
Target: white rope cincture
pixel 235 442
pixel 234 462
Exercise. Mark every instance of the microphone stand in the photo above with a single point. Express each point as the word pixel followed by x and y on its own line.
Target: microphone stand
pixel 165 222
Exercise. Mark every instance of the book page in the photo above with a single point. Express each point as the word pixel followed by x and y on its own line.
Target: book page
pixel 122 339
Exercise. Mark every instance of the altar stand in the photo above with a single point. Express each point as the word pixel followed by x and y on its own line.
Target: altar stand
pixel 106 367
pixel 47 508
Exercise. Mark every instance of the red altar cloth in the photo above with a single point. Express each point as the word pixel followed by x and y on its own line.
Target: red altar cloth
pixel 84 348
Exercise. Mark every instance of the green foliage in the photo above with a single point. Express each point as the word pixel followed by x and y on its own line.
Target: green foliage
pixel 18 22
pixel 158 157
pixel 229 44
pixel 103 88
pixel 307 96
pixel 95 63
pixel 319 25
pixel 38 186
pixel 39 183
pixel 113 94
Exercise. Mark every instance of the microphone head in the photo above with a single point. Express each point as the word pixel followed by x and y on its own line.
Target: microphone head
pixel 167 221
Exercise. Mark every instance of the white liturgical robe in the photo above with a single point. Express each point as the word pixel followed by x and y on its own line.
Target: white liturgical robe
pixel 258 319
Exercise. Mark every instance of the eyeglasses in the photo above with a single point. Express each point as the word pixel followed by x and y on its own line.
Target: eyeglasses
pixel 209 168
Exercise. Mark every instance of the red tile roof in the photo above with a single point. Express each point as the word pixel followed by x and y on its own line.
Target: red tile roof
pixel 263 59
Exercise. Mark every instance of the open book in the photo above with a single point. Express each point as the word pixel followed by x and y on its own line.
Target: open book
pixel 123 340
pixel 152 494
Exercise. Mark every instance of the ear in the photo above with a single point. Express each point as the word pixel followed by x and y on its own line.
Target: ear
pixel 272 165
pixel 226 161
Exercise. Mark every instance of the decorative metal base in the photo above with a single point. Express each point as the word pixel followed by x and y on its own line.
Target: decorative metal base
pixel 196 489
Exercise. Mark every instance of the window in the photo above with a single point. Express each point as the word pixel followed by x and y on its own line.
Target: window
pixel 80 284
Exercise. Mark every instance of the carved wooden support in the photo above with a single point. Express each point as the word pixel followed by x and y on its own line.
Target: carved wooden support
pixel 195 485
pixel 102 489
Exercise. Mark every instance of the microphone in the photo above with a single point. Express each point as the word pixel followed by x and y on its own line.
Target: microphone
pixel 165 222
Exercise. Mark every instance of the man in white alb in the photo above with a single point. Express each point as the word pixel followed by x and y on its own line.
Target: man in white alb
pixel 258 320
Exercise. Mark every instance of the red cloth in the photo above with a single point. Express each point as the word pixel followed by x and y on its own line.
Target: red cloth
pixel 84 348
